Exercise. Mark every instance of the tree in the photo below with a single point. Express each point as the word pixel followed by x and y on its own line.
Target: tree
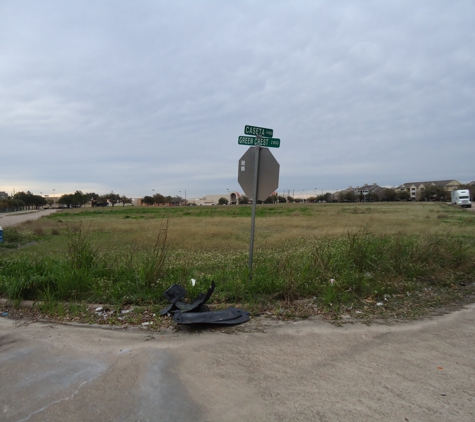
pixel 66 199
pixel 80 199
pixel 158 199
pixel 271 199
pixel 403 195
pixel 30 200
pixel 124 200
pixel 77 199
pixel 372 197
pixel 223 201
pixel 176 200
pixel 243 199
pixel 441 194
pixel 349 196
pixel 147 200
pixel 390 195
pixel 92 196
pixel 10 204
pixel 112 197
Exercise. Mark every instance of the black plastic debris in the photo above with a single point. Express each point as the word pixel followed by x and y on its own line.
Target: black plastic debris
pixel 229 316
pixel 196 312
pixel 176 295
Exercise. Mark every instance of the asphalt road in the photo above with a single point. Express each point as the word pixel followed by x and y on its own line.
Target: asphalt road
pixel 10 219
pixel 286 371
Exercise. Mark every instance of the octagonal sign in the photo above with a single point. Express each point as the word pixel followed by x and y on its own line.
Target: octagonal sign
pixel 268 177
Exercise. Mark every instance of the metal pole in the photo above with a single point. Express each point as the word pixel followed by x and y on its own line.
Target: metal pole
pixel 254 203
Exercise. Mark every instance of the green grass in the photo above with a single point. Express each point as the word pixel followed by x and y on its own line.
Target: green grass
pixel 340 256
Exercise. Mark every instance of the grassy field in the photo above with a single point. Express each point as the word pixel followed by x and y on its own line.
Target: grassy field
pixel 390 257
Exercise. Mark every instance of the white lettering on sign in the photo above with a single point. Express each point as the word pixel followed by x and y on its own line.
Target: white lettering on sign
pixel 263 142
pixel 246 140
pixel 251 130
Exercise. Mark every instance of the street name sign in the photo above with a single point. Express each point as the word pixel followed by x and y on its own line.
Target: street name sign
pixel 258 131
pixel 263 142
pixel 258 172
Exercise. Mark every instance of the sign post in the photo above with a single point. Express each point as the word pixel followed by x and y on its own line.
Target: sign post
pixel 258 172
pixel 254 204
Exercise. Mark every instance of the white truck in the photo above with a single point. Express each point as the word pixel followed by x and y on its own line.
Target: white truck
pixel 461 197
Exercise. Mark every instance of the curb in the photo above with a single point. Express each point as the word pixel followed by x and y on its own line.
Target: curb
pixel 23 304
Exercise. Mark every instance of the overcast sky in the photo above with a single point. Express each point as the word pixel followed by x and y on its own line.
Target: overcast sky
pixel 133 97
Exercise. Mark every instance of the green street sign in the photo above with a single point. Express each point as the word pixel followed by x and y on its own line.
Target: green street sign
pixel 258 131
pixel 263 142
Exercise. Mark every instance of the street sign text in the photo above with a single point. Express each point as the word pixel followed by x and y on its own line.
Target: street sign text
pixel 263 142
pixel 258 131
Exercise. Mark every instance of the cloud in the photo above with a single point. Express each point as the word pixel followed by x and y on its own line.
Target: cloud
pixel 130 97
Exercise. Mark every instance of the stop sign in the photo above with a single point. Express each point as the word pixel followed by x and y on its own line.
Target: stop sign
pixel 268 177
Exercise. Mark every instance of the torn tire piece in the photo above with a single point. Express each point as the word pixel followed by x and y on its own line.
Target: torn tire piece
pixel 229 316
pixel 174 293
pixel 165 311
pixel 200 300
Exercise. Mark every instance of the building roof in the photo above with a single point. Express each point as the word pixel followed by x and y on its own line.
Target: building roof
pixel 370 188
pixel 431 182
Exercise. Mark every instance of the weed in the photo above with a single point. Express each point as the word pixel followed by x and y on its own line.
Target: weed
pixel 38 231
pixel 80 250
pixel 13 237
pixel 152 262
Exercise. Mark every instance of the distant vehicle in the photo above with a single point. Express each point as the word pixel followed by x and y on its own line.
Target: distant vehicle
pixel 461 197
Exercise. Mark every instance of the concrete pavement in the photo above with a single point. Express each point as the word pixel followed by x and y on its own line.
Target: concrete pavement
pixel 13 218
pixel 290 371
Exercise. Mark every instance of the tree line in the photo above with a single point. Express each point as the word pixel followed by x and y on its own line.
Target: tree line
pixel 159 199
pixel 27 200
pixel 79 199
pixel 21 201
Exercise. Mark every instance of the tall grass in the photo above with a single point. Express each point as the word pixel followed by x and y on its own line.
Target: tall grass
pixel 102 256
pixel 13 236
pixel 340 270
pixel 85 273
